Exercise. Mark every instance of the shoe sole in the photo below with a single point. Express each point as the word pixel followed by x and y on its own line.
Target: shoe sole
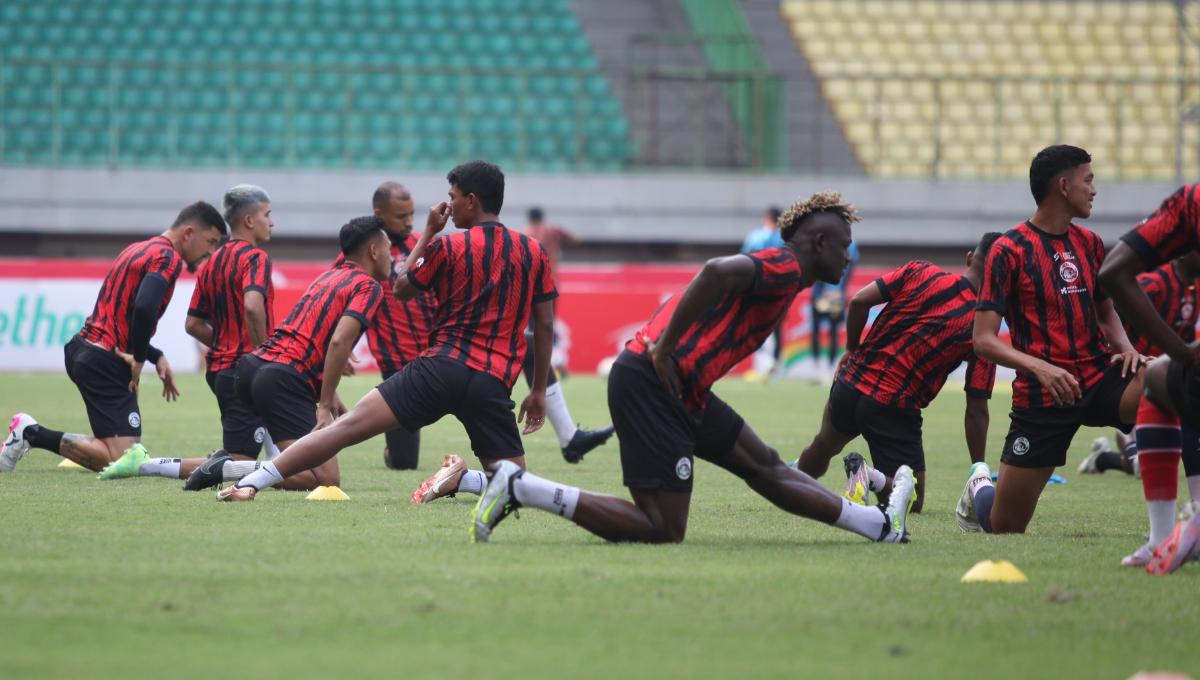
pixel 1179 550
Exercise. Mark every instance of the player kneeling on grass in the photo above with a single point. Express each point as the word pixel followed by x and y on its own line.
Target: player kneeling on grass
pixel 302 361
pixel 487 279
pixel 230 313
pixel 885 380
pixel 1075 365
pixel 105 358
pixel 665 414
pixel 1172 381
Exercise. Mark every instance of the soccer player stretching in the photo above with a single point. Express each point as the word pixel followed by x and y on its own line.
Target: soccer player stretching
pixel 1173 385
pixel 487 279
pixel 885 380
pixel 230 313
pixel 1075 365
pixel 105 359
pixel 660 398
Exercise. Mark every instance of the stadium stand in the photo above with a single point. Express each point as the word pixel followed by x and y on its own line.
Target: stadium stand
pixel 309 83
pixel 970 89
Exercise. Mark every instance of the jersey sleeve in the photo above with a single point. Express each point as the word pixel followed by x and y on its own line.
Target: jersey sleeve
pixel 544 291
pixel 981 377
pixel 775 272
pixel 999 279
pixel 198 307
pixel 364 300
pixel 256 273
pixel 898 279
pixel 167 263
pixel 1169 232
pixel 427 268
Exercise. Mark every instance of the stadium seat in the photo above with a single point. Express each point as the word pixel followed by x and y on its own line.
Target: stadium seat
pixel 1042 71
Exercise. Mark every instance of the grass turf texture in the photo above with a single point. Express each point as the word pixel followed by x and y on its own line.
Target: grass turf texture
pixel 137 577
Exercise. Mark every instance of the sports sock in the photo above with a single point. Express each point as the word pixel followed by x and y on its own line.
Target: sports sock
pixel 473 481
pixel 160 467
pixel 868 522
pixel 983 494
pixel 1159 444
pixel 560 417
pixel 534 492
pixel 270 451
pixel 43 437
pixel 261 478
pixel 878 480
pixel 1109 460
pixel 234 470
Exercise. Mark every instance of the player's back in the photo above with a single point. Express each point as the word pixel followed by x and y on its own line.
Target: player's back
pixel 108 324
pixel 1175 301
pixel 302 339
pixel 236 268
pixel 922 334
pixel 486 280
pixel 400 330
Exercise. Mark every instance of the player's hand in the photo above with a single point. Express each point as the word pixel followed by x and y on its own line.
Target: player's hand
pixel 1129 360
pixel 325 416
pixel 167 376
pixel 668 372
pixel 339 407
pixel 135 370
pixel 438 216
pixel 533 412
pixel 1063 386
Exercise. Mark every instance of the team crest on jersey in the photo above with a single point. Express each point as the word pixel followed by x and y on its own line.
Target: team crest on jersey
pixel 135 420
pixel 1068 272
pixel 683 469
pixel 1020 446
pixel 260 434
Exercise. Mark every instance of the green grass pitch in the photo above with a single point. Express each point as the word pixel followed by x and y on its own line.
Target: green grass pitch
pixel 136 578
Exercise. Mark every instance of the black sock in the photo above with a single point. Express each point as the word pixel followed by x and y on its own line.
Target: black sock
pixel 983 506
pixel 43 437
pixel 1109 460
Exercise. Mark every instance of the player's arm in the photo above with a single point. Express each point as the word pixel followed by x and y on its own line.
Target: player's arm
pixel 720 277
pixel 345 336
pixel 255 312
pixel 859 310
pixel 1118 276
pixel 404 288
pixel 1063 386
pixel 198 328
pixel 1114 332
pixel 533 407
pixel 975 427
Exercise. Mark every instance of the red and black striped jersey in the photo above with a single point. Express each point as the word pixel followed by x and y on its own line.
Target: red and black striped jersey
pixel 922 334
pixel 486 280
pixel 733 329
pixel 236 268
pixel 400 330
pixel 1174 299
pixel 108 324
pixel 302 340
pixel 1045 286
pixel 1171 231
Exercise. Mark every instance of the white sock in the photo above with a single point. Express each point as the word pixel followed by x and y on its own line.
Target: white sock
pixel 1162 520
pixel 560 417
pixel 234 470
pixel 534 492
pixel 862 520
pixel 270 451
pixel 473 481
pixel 1194 487
pixel 877 479
pixel 262 478
pixel 160 467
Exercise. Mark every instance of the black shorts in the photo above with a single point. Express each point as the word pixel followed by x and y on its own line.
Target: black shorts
pixel 242 431
pixel 103 381
pixel 893 434
pixel 1183 386
pixel 428 388
pixel 279 395
pixel 1040 437
pixel 659 436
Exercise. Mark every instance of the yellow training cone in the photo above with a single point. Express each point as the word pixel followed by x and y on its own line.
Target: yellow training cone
pixel 327 493
pixel 1000 571
pixel 70 464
